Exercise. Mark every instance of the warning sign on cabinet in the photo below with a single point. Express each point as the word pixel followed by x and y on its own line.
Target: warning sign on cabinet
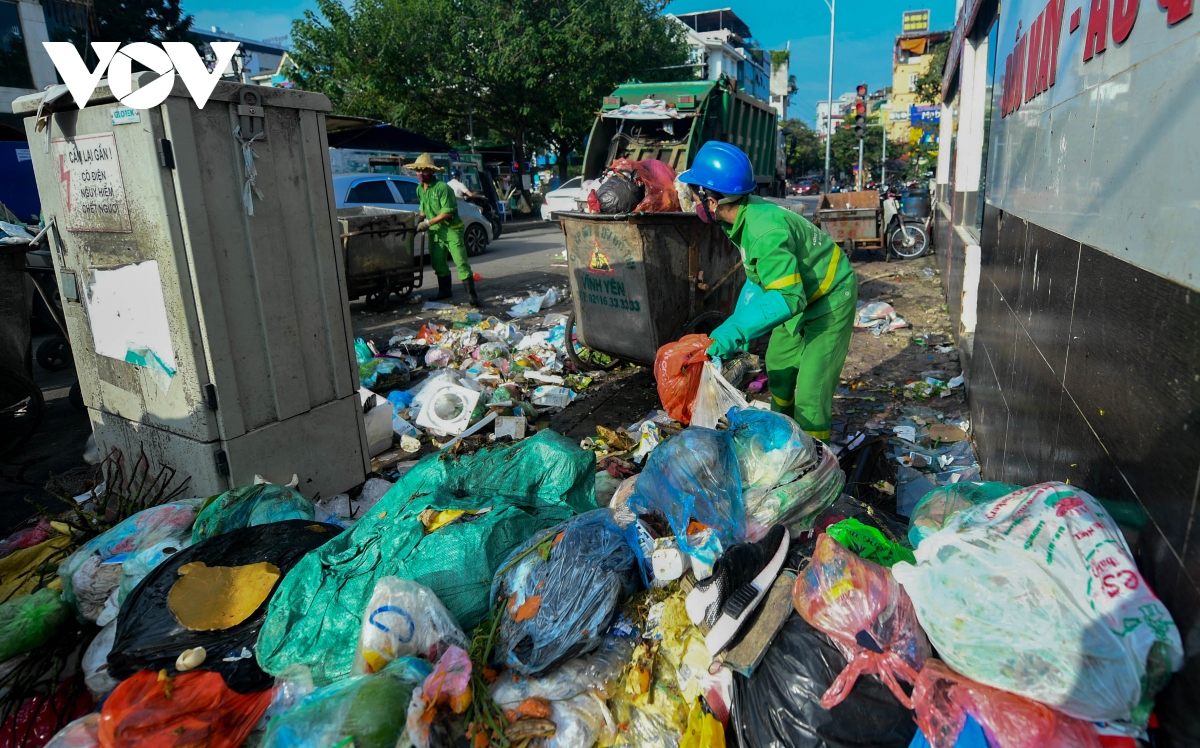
pixel 89 181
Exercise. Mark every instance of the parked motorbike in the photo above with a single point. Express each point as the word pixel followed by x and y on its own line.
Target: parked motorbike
pixel 905 236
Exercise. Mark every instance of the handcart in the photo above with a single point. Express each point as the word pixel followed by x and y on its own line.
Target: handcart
pixel 642 280
pixel 378 245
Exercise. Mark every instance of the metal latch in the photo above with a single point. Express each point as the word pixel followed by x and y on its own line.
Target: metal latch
pixel 166 154
pixel 222 463
pixel 251 114
pixel 210 396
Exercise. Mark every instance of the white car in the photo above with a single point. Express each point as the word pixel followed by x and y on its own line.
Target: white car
pixel 400 192
pixel 563 199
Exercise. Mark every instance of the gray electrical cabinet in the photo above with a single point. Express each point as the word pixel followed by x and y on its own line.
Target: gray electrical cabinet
pixel 202 281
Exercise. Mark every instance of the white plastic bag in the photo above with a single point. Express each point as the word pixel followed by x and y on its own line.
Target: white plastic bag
pixel 714 398
pixel 95 663
pixel 404 618
pixel 1037 593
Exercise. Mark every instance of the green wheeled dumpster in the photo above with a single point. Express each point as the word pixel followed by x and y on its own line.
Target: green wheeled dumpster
pixel 641 280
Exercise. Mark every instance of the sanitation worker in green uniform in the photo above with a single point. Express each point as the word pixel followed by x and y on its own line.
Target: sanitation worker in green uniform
pixel 800 288
pixel 439 216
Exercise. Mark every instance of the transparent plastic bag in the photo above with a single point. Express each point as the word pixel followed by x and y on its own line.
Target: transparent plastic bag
pixel 868 616
pixel 714 398
pixel 95 663
pixel 797 504
pixel 936 508
pixel 559 590
pixel 1037 593
pixel 677 371
pixel 248 506
pixel 693 478
pixel 403 618
pixel 82 733
pixel 771 450
pixel 943 699
pixel 658 178
pixel 367 710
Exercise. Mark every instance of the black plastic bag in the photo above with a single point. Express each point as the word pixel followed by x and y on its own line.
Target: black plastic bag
pixel 619 195
pixel 150 637
pixel 780 706
pixel 846 507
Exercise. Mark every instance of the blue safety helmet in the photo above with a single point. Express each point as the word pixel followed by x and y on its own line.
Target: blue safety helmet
pixel 455 174
pixel 721 167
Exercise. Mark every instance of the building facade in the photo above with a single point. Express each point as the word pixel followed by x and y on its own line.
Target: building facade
pixel 722 46
pixel 837 112
pixel 912 55
pixel 1064 226
pixel 26 67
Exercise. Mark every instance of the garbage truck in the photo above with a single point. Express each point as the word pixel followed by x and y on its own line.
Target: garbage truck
pixel 670 121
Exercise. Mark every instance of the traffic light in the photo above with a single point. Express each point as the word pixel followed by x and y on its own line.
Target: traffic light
pixel 860 111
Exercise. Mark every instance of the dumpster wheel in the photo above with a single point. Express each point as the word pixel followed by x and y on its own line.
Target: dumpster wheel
pixel 703 323
pixel 584 358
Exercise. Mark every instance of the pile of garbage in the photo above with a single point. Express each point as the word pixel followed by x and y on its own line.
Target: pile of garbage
pixel 666 584
pixel 433 386
pixel 646 186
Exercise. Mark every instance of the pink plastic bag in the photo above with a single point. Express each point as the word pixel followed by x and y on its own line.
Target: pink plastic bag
pixel 659 180
pixel 866 613
pixel 942 699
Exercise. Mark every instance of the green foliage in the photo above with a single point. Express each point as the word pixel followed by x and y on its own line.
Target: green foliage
pixel 844 151
pixel 529 71
pixel 803 147
pixel 779 58
pixel 929 84
pixel 131 21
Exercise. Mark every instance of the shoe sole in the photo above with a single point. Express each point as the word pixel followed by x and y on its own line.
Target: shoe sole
pixel 727 626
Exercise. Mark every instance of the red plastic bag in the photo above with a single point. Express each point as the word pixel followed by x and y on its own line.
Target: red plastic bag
pixel 659 180
pixel 864 610
pixel 677 369
pixel 942 699
pixel 191 709
pixel 39 718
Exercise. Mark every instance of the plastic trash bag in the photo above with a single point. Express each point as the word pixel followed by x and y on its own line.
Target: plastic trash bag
pixel 81 733
pixel 503 495
pixel 1037 593
pixel 658 181
pixel 780 705
pixel 943 701
pixel 197 709
pixel 619 194
pixel 160 528
pixel 404 618
pixel 95 663
pixel 797 504
pixel 771 450
pixel 384 373
pixel 36 720
pixel 934 510
pixel 26 569
pixel 258 504
pixel 865 612
pixel 693 477
pixel 869 543
pixel 559 590
pixel 362 351
pixel 368 710
pixel 29 621
pixel 448 687
pixel 677 370
pixel 714 397
pixel 26 537
pixel 150 635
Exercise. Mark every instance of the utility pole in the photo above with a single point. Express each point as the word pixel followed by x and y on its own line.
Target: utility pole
pixel 862 176
pixel 883 158
pixel 860 129
pixel 832 5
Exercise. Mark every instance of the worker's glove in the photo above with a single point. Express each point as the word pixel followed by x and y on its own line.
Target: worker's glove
pixel 423 226
pixel 757 313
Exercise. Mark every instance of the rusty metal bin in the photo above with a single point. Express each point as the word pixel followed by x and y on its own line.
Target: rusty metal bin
pixel 851 218
pixel 639 281
pixel 378 245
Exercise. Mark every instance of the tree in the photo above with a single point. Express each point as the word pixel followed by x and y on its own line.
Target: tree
pixel 929 84
pixel 532 71
pixel 803 148
pixel 129 21
pixel 844 150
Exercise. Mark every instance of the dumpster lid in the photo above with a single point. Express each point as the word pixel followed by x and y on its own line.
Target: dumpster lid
pixel 848 200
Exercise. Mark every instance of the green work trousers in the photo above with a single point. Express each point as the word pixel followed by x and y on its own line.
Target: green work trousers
pixel 803 367
pixel 450 242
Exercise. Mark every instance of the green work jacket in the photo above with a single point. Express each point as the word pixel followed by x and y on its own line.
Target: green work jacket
pixel 783 252
pixel 436 199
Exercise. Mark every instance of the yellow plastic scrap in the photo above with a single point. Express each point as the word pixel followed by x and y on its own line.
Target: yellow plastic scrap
pixel 683 649
pixel 19 569
pixel 211 598
pixel 703 730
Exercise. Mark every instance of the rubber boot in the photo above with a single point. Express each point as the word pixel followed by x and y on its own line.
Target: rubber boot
pixel 445 290
pixel 469 284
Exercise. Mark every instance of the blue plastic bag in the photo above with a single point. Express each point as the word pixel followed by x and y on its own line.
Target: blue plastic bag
pixel 695 476
pixel 560 590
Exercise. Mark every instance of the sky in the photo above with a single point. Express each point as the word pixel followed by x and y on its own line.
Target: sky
pixel 866 30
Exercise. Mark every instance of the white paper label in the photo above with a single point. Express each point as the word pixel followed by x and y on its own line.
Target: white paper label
pixel 90 183
pixel 128 315
pixel 23 155
pixel 123 115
